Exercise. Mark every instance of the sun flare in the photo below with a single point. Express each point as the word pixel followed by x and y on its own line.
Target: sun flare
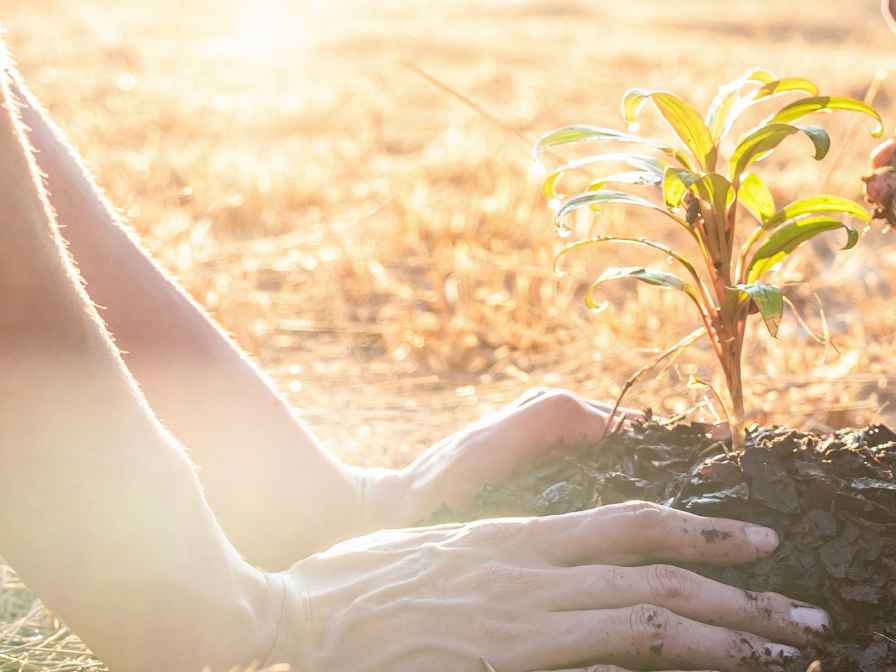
pixel 268 30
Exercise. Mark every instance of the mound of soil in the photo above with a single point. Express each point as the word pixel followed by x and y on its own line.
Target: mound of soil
pixel 831 498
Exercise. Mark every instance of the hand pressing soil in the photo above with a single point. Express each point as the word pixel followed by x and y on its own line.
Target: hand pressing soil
pixel 831 498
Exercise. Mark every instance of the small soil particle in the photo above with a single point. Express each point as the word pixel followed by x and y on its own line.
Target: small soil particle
pixel 831 498
pixel 711 536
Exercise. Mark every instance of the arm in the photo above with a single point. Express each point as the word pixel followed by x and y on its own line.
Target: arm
pixel 103 516
pixel 105 520
pixel 239 430
pixel 259 465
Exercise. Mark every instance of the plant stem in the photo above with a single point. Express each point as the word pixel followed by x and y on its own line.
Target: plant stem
pixel 731 364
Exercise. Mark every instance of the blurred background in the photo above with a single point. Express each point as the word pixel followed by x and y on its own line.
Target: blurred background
pixel 383 250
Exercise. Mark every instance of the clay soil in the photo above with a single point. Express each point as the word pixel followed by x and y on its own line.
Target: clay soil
pixel 832 499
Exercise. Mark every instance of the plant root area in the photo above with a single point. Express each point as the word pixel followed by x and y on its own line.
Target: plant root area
pixel 832 499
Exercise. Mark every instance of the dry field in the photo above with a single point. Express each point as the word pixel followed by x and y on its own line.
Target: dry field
pixel 383 250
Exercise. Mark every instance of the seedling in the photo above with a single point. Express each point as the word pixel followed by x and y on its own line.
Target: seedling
pixel 697 190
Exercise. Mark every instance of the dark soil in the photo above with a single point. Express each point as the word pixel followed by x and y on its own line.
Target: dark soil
pixel 831 498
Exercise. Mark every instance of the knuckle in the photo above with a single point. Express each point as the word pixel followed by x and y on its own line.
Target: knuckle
pixel 667 583
pixel 560 405
pixel 649 623
pixel 649 517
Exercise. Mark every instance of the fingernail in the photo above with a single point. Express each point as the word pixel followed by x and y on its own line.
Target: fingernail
pixel 779 651
pixel 811 618
pixel 764 539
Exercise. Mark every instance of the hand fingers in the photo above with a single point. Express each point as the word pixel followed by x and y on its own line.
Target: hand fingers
pixel 638 532
pixel 649 636
pixel 687 594
pixel 603 407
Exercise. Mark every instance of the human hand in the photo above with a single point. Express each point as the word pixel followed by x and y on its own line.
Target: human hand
pixel 526 594
pixel 454 471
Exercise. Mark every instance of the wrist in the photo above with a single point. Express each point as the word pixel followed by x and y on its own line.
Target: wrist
pixel 384 498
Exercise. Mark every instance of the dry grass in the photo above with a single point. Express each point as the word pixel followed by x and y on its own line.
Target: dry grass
pixel 381 249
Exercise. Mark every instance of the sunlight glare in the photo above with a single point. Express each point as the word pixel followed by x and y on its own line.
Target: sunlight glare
pixel 268 30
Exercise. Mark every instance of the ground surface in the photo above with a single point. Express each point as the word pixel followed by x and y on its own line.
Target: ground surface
pixel 380 247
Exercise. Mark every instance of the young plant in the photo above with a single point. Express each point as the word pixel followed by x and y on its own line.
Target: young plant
pixel 705 195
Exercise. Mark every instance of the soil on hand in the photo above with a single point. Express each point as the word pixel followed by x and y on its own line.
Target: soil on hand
pixel 831 498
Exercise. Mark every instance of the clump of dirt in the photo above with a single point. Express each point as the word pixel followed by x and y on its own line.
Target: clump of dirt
pixel 831 498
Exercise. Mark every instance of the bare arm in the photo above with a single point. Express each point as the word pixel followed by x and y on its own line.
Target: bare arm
pixel 105 520
pixel 103 516
pixel 277 492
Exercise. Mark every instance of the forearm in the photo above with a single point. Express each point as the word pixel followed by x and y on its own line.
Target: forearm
pixel 278 493
pixel 103 516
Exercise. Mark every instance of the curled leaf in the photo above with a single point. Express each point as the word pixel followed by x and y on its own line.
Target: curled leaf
pixel 768 301
pixel 609 197
pixel 779 86
pixel 785 239
pixel 757 144
pixel 651 276
pixel 800 108
pixel 622 240
pixel 585 133
pixel 683 119
pixel 818 204
pixel 646 164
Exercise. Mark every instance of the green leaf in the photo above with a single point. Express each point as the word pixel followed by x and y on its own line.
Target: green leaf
pixel 785 239
pixel 647 164
pixel 718 117
pixel 628 177
pixel 804 106
pixel 609 197
pixel 729 103
pixel 622 240
pixel 651 276
pixel 755 197
pixel 769 301
pixel 675 184
pixel 817 204
pixel 715 190
pixel 758 143
pixel 779 86
pixel 683 119
pixel 760 75
pixel 585 133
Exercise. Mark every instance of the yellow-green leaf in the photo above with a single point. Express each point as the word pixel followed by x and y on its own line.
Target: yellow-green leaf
pixel 760 75
pixel 644 163
pixel 800 108
pixel 683 119
pixel 651 276
pixel 675 183
pixel 758 143
pixel 818 204
pixel 623 240
pixel 769 301
pixel 786 85
pixel 785 239
pixel 609 197
pixel 754 195
pixel 716 191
